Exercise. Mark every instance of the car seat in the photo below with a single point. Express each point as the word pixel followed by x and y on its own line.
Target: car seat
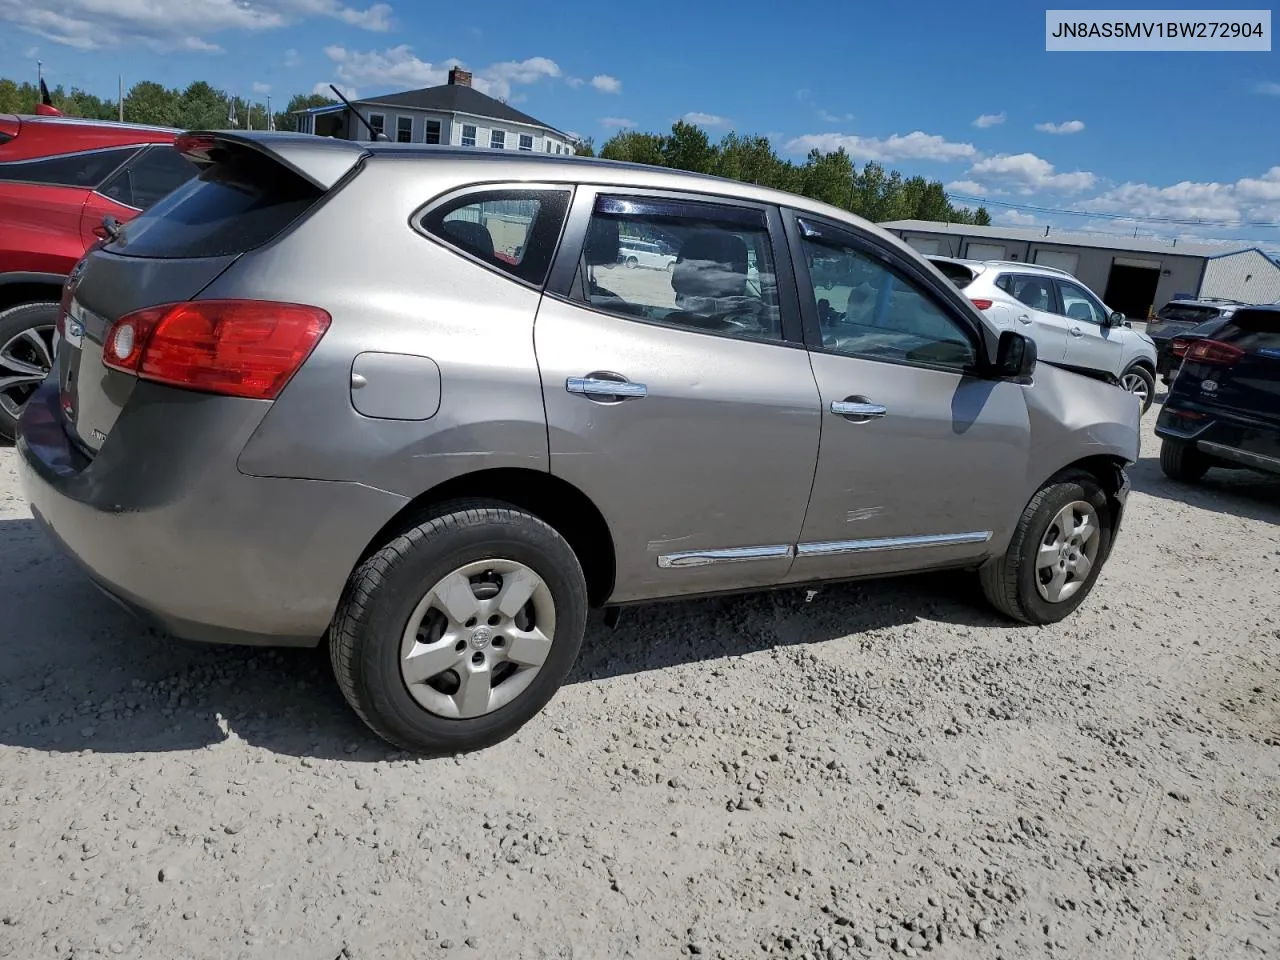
pixel 471 236
pixel 1080 311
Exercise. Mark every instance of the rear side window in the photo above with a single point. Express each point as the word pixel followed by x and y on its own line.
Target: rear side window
pixel 85 170
pixel 158 172
pixel 233 206
pixel 514 231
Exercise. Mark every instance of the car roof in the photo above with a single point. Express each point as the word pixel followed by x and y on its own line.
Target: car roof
pixel 1004 265
pixel 39 136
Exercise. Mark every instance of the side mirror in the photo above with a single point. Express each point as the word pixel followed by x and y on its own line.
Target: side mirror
pixel 1117 319
pixel 1015 356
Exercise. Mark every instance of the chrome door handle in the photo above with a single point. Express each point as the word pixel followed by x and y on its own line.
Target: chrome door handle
pixel 1077 332
pixel 599 387
pixel 1023 318
pixel 858 408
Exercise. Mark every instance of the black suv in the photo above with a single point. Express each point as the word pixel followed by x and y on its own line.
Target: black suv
pixel 1223 409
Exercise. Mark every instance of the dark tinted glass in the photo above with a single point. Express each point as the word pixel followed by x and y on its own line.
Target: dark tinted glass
pixel 232 207
pixel 67 170
pixel 1253 331
pixel 957 273
pixel 513 230
pixel 159 171
pixel 1186 313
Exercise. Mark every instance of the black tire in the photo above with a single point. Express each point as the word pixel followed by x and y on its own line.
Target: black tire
pixel 1009 581
pixel 1149 379
pixel 13 322
pixel 364 641
pixel 1182 461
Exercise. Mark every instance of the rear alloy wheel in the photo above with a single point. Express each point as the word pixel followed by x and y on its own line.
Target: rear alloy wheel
pixel 1142 384
pixel 26 357
pixel 1056 552
pixel 632 262
pixel 457 632
pixel 1182 461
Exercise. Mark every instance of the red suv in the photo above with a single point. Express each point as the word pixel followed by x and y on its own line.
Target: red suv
pixel 60 179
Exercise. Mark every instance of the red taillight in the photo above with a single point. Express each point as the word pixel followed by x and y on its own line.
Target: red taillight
pixel 1179 347
pixel 1214 352
pixel 982 304
pixel 238 348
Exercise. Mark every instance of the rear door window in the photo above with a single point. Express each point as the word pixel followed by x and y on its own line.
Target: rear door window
pixel 86 169
pixel 233 206
pixel 515 231
pixel 1034 291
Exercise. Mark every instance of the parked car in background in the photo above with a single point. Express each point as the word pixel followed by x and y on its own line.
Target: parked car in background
pixel 1072 327
pixel 1178 317
pixel 1173 349
pixel 251 440
pixel 1223 409
pixel 645 253
pixel 60 178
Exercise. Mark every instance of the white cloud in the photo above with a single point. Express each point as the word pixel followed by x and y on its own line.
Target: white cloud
pixel 965 186
pixel 989 120
pixel 1249 198
pixel 574 82
pixel 705 119
pixel 261 89
pixel 914 146
pixel 168 25
pixel 1066 127
pixel 1027 173
pixel 1016 218
pixel 617 123
pixel 292 58
pixel 828 117
pixel 397 66
pixel 322 90
pixel 606 84
pixel 1268 89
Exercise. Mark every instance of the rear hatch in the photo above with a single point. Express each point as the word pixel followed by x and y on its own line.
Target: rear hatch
pixel 1238 369
pixel 251 190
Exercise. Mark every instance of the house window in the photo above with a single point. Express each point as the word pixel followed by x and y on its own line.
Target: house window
pixel 379 123
pixel 468 134
pixel 548 146
pixel 526 141
pixel 433 131
pixel 498 139
pixel 404 129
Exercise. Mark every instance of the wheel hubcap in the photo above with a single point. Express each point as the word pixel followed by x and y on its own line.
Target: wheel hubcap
pixel 1067 552
pixel 25 360
pixel 1135 384
pixel 477 639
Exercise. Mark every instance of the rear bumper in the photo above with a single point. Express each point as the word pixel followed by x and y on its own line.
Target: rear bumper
pixel 1242 440
pixel 164 523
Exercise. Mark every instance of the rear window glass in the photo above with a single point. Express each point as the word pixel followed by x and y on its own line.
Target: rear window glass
pixel 957 273
pixel 232 207
pixel 149 177
pixel 1186 312
pixel 1254 331
pixel 67 170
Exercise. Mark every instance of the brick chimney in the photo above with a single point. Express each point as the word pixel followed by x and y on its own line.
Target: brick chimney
pixel 459 77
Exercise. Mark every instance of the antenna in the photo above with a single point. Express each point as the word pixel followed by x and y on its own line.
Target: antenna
pixel 373 133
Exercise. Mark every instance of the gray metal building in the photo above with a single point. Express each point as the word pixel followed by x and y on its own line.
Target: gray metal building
pixel 1131 275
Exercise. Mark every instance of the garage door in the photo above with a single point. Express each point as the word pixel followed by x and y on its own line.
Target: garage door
pixel 985 251
pixel 1058 258
pixel 921 245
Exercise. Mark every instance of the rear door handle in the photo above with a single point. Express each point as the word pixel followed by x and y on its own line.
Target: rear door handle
pixel 600 387
pixel 859 407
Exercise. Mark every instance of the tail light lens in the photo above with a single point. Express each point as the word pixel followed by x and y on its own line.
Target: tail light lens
pixel 237 348
pixel 1179 347
pixel 1214 352
pixel 982 304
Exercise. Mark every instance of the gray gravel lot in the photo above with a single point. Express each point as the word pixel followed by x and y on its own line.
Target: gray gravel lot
pixel 888 770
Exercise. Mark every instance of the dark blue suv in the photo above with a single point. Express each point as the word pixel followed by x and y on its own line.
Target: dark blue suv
pixel 1223 409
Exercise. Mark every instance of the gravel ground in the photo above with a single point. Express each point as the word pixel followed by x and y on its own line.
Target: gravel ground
pixel 887 770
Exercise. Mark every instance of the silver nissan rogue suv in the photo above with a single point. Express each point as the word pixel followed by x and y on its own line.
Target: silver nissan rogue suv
pixel 405 400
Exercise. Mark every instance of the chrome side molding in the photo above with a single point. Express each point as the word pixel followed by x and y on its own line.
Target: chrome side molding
pixel 703 558
pixel 832 547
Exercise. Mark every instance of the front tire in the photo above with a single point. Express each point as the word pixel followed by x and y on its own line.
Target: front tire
pixel 1141 382
pixel 1182 461
pixel 26 357
pixel 1057 552
pixel 631 263
pixel 460 630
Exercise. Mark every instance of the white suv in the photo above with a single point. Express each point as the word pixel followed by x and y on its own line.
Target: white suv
pixel 1071 326
pixel 645 253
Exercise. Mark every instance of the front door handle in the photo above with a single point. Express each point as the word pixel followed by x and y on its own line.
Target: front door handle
pixel 1077 332
pixel 605 388
pixel 1023 318
pixel 859 408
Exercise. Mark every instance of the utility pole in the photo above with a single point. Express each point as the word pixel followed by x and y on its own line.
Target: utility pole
pixel 120 85
pixel 271 117
pixel 39 71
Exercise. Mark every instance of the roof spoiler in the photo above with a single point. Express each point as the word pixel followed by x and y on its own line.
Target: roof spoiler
pixel 321 161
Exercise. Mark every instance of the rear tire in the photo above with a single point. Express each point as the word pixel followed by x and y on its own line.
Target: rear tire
pixel 1044 555
pixel 421 628
pixel 632 263
pixel 1181 461
pixel 1141 382
pixel 20 327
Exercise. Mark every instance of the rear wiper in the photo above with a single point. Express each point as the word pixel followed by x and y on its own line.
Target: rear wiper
pixel 111 227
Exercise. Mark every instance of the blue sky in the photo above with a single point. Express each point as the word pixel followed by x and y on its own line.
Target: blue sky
pixel 1179 135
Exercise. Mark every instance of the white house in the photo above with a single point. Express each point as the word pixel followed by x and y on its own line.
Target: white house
pixel 453 113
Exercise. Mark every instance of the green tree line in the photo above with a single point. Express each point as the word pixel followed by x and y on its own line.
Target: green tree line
pixel 830 177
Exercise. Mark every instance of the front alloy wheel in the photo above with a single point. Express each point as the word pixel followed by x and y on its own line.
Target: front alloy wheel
pixel 1139 382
